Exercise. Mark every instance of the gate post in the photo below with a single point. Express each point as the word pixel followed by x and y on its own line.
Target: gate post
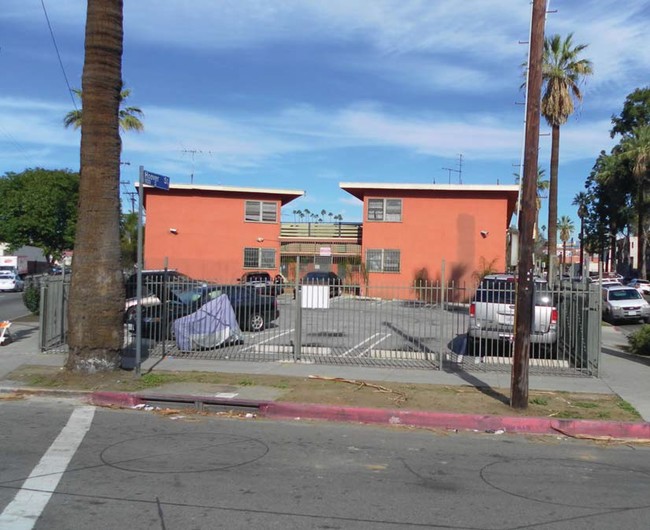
pixel 443 292
pixel 297 338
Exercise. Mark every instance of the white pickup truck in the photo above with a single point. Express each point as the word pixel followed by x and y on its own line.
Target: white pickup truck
pixel 492 312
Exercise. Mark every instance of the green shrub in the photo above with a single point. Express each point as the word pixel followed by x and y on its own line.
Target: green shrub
pixel 640 341
pixel 32 297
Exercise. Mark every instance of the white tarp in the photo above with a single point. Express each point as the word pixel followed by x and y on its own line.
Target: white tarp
pixel 212 325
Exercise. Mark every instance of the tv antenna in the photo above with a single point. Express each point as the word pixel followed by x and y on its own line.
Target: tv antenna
pixel 194 152
pixel 459 170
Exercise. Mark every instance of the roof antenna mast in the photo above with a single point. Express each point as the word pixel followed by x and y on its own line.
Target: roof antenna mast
pixel 459 170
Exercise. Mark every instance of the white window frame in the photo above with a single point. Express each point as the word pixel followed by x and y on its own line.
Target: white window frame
pixel 261 211
pixel 384 214
pixel 265 258
pixel 383 260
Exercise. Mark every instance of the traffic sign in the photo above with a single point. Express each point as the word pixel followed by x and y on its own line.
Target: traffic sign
pixel 155 180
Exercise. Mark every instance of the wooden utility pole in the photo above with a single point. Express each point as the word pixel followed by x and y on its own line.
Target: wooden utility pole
pixel 525 280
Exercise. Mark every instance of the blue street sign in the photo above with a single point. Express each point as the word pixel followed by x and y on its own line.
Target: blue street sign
pixel 155 180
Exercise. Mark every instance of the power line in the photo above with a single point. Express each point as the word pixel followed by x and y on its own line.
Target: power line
pixel 74 103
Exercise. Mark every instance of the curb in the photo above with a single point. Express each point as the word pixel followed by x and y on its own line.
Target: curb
pixel 410 418
pixel 449 421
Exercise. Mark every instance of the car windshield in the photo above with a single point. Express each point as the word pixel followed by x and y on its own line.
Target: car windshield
pixel 624 294
pixel 503 292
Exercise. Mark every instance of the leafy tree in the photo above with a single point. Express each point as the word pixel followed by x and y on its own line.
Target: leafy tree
pixel 581 200
pixel 129 116
pixel 96 302
pixel 562 72
pixel 39 208
pixel 129 239
pixel 635 113
pixel 636 149
pixel 566 228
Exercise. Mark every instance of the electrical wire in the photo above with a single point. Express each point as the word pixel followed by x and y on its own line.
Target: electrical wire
pixel 74 103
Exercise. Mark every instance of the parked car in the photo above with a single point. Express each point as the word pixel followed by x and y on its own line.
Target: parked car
pixel 10 281
pixel 262 281
pixel 324 278
pixel 625 303
pixel 643 286
pixel 254 311
pixel 492 312
pixel 153 281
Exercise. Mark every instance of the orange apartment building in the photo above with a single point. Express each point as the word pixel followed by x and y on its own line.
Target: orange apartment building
pixel 409 229
pixel 214 232
pixel 218 232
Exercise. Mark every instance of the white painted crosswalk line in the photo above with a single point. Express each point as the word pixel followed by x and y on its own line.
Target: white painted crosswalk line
pixel 30 501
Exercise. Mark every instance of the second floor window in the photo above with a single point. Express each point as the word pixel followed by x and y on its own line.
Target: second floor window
pixel 261 211
pixel 388 210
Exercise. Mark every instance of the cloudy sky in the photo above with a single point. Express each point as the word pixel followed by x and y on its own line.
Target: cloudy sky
pixel 305 94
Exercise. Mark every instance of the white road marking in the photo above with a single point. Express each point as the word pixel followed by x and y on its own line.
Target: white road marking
pixel 345 353
pixel 30 501
pixel 255 344
pixel 373 345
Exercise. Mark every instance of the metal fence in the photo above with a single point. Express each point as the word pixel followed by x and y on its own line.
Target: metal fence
pixel 423 326
pixel 53 312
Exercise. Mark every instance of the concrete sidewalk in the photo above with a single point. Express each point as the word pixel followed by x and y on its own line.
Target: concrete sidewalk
pixel 620 373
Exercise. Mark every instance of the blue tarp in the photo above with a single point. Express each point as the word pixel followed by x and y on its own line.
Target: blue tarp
pixel 212 325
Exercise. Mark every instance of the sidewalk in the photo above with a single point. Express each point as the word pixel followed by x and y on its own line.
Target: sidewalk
pixel 620 373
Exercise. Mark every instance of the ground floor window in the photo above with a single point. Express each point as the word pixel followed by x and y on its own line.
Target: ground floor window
pixel 259 258
pixel 382 260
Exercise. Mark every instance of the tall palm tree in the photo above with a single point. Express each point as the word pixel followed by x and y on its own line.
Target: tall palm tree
pixel 96 300
pixel 542 186
pixel 636 149
pixel 562 72
pixel 566 227
pixel 581 200
pixel 129 116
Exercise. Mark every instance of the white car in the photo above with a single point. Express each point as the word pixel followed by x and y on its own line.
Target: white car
pixel 643 286
pixel 11 282
pixel 625 303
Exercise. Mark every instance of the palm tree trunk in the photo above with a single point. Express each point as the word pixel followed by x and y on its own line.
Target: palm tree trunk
pixel 641 230
pixel 552 195
pixel 96 303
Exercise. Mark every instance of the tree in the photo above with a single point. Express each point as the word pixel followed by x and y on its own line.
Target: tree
pixel 96 301
pixel 581 200
pixel 129 239
pixel 635 113
pixel 39 208
pixel 542 186
pixel 562 72
pixel 566 227
pixel 129 116
pixel 636 149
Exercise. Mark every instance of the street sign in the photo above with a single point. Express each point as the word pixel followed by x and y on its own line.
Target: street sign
pixel 155 180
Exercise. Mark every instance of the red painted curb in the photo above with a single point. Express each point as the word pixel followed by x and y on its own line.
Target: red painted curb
pixel 117 399
pixel 532 425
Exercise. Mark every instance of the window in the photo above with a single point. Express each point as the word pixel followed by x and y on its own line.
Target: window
pixel 388 210
pixel 259 258
pixel 382 260
pixel 261 212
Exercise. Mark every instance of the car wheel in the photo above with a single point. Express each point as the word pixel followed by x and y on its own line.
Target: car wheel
pixel 256 322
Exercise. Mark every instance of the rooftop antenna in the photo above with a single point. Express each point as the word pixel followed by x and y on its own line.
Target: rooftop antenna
pixel 459 170
pixel 192 152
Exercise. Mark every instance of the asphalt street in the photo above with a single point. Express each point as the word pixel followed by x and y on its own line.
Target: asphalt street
pixel 82 467
pixel 11 306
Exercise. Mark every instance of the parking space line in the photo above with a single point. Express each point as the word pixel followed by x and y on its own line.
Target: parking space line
pixel 30 501
pixel 373 345
pixel 254 345
pixel 345 353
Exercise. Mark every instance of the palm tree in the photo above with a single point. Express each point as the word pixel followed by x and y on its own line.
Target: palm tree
pixel 129 116
pixel 562 72
pixel 636 149
pixel 566 228
pixel 96 299
pixel 581 200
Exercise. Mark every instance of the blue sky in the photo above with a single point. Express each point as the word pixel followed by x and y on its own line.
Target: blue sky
pixel 305 94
